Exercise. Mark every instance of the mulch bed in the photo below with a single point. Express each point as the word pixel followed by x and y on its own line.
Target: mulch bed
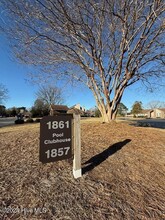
pixel 123 175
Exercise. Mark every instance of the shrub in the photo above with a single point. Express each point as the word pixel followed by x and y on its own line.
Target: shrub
pixel 37 120
pixel 144 124
pixel 29 120
pixel 19 121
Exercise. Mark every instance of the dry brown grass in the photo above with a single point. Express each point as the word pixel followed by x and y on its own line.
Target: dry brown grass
pixel 124 175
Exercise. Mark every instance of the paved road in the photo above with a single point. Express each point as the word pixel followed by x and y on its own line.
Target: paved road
pixel 7 121
pixel 156 122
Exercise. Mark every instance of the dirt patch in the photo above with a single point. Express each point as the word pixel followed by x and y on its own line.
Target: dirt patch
pixel 123 175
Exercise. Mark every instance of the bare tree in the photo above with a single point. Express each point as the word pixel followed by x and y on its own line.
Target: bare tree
pixel 156 104
pixel 50 95
pixel 3 93
pixel 106 44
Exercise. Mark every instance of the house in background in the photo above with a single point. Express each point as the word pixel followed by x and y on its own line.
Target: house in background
pixel 77 109
pixel 144 113
pixel 149 113
pixel 156 113
pixel 78 106
pixel 57 109
pixel 152 113
pixel 27 114
pixel 22 112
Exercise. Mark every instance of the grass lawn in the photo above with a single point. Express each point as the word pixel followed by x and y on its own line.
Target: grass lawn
pixel 123 175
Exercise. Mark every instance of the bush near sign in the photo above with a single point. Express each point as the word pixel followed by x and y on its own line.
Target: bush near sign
pixel 55 138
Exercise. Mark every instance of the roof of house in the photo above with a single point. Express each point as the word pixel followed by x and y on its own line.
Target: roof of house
pixel 150 110
pixel 72 106
pixel 146 111
pixel 59 107
pixel 76 111
pixel 162 109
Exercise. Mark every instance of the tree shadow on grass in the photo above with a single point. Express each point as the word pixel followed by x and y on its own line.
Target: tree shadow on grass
pixel 99 158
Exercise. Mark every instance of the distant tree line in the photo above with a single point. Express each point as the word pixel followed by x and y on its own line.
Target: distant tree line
pixel 46 95
pixel 39 109
pixel 11 112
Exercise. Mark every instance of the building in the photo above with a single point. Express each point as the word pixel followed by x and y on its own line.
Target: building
pixel 78 106
pixel 77 109
pixel 156 113
pixel 152 113
pixel 58 109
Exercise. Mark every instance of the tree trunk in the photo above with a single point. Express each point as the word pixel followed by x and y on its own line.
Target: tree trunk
pixel 108 115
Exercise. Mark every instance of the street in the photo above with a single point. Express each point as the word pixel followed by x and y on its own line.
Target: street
pixel 7 121
pixel 156 123
pixel 153 122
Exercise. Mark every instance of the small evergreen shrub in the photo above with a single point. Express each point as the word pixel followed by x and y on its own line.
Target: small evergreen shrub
pixel 38 120
pixel 19 121
pixel 144 124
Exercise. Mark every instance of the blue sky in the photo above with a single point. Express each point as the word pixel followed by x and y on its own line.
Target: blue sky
pixel 22 93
